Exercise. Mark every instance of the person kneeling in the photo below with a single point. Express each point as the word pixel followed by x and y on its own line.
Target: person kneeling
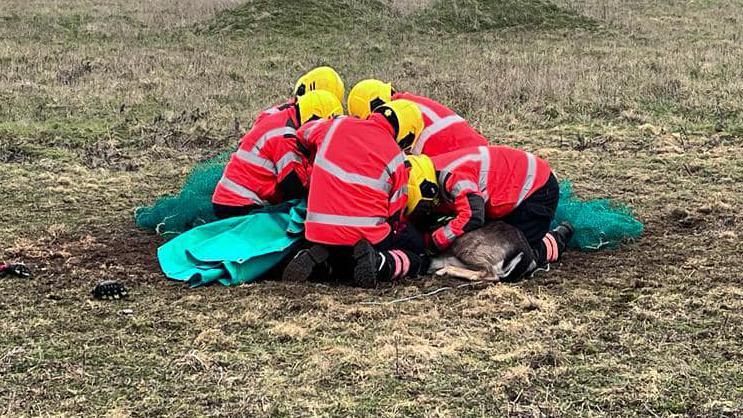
pixel 268 167
pixel 357 198
pixel 492 183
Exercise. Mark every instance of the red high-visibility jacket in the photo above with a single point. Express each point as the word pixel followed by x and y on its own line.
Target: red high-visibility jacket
pixel 265 156
pixel 444 131
pixel 359 181
pixel 484 182
pixel 275 109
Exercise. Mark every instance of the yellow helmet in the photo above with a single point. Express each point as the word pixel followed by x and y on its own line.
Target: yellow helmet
pixel 423 191
pixel 407 120
pixel 321 78
pixel 318 104
pixel 367 95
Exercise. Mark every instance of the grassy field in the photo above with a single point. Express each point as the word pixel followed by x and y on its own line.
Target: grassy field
pixel 105 105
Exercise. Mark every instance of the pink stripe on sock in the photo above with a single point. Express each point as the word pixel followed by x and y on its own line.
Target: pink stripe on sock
pixel 398 264
pixel 405 262
pixel 553 253
pixel 548 248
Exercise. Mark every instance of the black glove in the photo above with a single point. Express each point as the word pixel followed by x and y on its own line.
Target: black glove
pixel 18 270
pixel 109 290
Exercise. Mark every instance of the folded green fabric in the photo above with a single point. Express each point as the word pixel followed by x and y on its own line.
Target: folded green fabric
pixel 235 250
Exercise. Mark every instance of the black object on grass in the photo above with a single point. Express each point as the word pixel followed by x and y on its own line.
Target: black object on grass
pixel 109 290
pixel 17 270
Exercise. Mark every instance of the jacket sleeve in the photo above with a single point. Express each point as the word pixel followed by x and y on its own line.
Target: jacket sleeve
pixel 289 159
pixel 292 175
pixel 469 205
pixel 306 141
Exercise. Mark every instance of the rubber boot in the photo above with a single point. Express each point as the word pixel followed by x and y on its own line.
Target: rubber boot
pixel 307 263
pixel 553 245
pixel 373 266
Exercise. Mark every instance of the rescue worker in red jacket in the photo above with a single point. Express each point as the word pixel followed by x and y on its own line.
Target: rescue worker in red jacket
pixel 320 78
pixel 497 182
pixel 357 196
pixel 444 131
pixel 268 167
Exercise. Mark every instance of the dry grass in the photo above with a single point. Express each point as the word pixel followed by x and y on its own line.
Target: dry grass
pixel 408 7
pixel 104 105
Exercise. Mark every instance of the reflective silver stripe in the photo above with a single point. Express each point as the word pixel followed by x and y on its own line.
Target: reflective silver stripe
pixel 326 140
pixel 241 191
pixel 437 126
pixel 429 112
pixel 402 191
pixel 252 156
pixel 531 172
pixel 448 233
pixel 461 186
pixel 374 183
pixel 461 160
pixel 286 130
pixel 272 110
pixel 393 165
pixel 342 220
pixel 378 184
pixel 287 159
pixel 255 159
pixel 456 163
pixel 307 132
pixel 484 170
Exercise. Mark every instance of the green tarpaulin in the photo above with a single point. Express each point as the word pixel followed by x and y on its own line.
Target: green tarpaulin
pixel 235 250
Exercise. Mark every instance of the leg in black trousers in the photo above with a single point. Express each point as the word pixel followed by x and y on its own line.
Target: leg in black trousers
pixel 533 218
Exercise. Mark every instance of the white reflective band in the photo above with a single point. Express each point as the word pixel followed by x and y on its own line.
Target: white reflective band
pixel 377 184
pixel 437 126
pixel 456 163
pixel 463 185
pixel 393 165
pixel 241 191
pixel 429 112
pixel 531 172
pixel 255 159
pixel 461 160
pixel 286 130
pixel 326 140
pixel 484 170
pixel 272 110
pixel 342 220
pixel 308 131
pixel 374 183
pixel 287 159
pixel 448 232
pixel 402 191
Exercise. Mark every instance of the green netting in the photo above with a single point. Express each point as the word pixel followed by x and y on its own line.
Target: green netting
pixel 598 223
pixel 171 215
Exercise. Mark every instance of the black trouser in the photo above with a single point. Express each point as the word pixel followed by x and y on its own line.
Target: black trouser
pixel 535 214
pixel 406 237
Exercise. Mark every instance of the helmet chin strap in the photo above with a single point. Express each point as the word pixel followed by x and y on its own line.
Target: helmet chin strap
pixel 299 111
pixel 406 143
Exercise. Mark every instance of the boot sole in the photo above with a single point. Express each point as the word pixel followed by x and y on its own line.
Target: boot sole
pixel 300 268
